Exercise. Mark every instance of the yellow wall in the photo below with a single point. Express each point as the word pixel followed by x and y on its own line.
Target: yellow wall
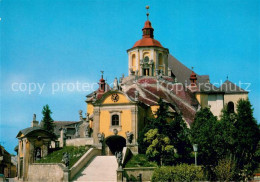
pixel 105 122
pixel 122 99
pixel 90 108
pixel 202 99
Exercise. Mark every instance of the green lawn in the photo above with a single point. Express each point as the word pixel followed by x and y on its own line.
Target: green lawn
pixel 75 154
pixel 140 160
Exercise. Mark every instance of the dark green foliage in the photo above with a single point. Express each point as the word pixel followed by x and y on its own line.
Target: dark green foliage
pixel 205 133
pixel 168 125
pixel 47 120
pixel 75 153
pixel 234 138
pixel 183 172
pixel 247 136
pixel 140 160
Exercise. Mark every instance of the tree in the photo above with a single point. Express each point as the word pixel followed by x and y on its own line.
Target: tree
pixel 247 136
pixel 168 125
pixel 159 148
pixel 47 120
pixel 205 132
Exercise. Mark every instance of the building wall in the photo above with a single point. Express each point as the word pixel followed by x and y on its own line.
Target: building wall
pixel 234 98
pixel 90 108
pixel 202 99
pixel 105 121
pixel 216 103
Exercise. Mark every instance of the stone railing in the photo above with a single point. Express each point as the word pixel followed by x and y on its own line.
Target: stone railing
pixel 50 172
pixel 83 161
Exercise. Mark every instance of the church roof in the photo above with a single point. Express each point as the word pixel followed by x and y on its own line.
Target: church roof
pixel 147 42
pixel 151 89
pixel 229 88
pixel 182 73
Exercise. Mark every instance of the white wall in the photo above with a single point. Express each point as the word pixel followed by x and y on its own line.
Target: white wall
pixel 216 103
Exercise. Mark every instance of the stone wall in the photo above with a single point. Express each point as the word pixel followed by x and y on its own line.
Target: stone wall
pixel 79 142
pixel 133 173
pixel 46 172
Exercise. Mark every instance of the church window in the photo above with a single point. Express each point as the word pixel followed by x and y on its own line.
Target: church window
pixel 160 62
pixel 115 120
pixel 230 107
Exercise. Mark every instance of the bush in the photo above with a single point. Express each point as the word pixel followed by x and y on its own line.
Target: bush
pixel 183 172
pixel 225 170
pixel 140 160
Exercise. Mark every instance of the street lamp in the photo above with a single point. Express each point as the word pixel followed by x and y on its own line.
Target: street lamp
pixel 195 148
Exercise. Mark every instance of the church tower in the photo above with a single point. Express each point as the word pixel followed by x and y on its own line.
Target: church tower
pixel 148 57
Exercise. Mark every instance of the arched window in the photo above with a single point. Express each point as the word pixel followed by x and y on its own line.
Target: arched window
pixel 230 107
pixel 115 120
pixel 160 62
pixel 133 61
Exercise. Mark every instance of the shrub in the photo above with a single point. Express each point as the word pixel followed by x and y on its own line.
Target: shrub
pixel 140 160
pixel 225 170
pixel 183 172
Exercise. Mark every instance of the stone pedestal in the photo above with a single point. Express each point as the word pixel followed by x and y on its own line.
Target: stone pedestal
pixel 66 175
pixel 119 175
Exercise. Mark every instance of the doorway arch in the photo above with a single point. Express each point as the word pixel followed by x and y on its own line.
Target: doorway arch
pixel 115 143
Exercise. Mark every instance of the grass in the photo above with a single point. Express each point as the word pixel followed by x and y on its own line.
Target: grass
pixel 140 160
pixel 75 154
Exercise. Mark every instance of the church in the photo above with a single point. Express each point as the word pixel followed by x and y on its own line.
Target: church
pixel 115 115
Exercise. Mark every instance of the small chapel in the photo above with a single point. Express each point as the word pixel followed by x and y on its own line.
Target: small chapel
pixel 115 115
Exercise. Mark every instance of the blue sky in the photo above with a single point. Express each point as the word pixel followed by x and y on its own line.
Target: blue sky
pixel 70 41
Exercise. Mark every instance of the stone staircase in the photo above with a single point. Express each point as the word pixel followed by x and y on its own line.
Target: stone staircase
pixel 101 168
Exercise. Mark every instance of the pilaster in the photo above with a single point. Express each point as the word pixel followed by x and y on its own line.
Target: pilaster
pixel 96 124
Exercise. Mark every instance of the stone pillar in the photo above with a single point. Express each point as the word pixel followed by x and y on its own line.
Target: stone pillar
pixel 61 137
pixel 96 124
pixel 25 160
pixel 134 117
pixel 19 160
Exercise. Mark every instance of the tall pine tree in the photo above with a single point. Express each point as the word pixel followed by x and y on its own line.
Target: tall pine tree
pixel 47 121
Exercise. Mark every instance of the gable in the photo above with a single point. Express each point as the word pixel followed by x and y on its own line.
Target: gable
pixel 116 98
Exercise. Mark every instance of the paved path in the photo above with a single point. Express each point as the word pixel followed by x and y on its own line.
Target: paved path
pixel 101 169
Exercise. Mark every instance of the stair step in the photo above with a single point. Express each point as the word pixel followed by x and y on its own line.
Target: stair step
pixel 101 169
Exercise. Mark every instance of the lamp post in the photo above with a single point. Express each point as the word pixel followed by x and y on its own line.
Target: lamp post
pixel 195 148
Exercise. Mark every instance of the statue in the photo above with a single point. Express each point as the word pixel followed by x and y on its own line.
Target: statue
pixel 77 130
pixel 119 158
pixel 115 131
pixel 66 159
pixel 115 85
pixel 38 154
pixel 80 115
pixel 87 130
pixel 34 117
pixel 87 116
pixel 101 137
pixel 129 137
